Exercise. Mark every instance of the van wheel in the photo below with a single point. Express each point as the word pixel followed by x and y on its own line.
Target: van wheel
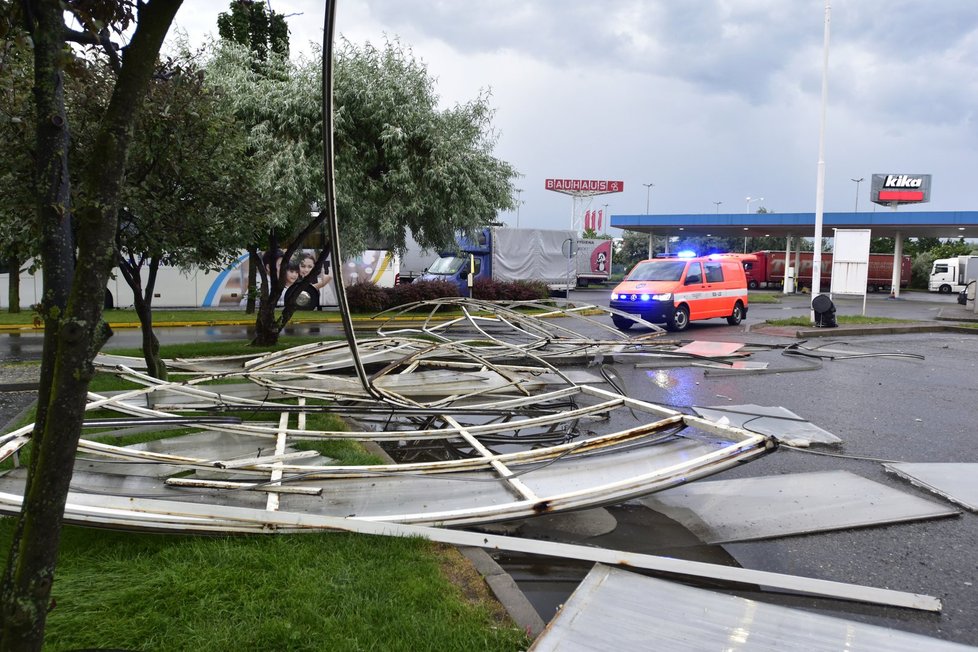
pixel 737 315
pixel 945 289
pixel 680 320
pixel 752 284
pixel 622 323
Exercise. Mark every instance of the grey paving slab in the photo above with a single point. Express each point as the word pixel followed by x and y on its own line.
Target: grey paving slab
pixel 778 422
pixel 955 481
pixel 722 511
pixel 618 610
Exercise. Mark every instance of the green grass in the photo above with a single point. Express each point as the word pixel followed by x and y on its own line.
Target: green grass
pixel 162 316
pixel 274 592
pixel 842 319
pixel 127 318
pixel 266 592
pixel 219 348
pixel 762 297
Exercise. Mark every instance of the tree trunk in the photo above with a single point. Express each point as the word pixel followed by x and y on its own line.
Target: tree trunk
pixel 74 330
pixel 254 260
pixel 155 366
pixel 266 325
pixel 143 303
pixel 27 575
pixel 13 284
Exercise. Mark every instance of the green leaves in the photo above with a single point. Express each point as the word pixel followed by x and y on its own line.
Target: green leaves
pixel 401 162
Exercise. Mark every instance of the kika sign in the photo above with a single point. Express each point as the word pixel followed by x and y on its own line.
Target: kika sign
pixel 584 186
pixel 892 189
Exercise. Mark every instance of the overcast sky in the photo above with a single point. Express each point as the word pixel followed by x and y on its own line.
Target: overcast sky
pixel 710 100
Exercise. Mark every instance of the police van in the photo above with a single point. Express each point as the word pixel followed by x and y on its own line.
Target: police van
pixel 675 291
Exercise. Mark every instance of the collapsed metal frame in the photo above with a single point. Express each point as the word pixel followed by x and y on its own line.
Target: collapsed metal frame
pixel 282 472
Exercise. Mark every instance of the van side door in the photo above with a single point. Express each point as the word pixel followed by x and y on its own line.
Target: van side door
pixel 693 290
pixel 717 303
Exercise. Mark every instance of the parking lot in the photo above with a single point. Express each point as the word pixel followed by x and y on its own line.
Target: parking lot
pixel 884 409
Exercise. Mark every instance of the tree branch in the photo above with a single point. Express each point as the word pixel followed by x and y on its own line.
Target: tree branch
pixel 101 39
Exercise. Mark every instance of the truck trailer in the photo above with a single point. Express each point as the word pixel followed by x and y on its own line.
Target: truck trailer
pixel 768 270
pixel 593 257
pixel 508 254
pixel 414 261
pixel 951 274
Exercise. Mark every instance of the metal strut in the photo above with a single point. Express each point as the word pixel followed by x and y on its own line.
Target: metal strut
pixel 329 22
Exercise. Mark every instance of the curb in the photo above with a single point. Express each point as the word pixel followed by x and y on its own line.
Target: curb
pixel 882 329
pixel 501 583
pixel 504 587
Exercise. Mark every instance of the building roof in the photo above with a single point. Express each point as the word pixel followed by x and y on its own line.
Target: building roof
pixel 883 223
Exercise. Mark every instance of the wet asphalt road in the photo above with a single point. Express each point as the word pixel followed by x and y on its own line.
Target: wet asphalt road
pixel 885 408
pixel 896 409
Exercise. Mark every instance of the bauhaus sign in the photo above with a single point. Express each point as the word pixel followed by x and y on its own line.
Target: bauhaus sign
pixel 890 189
pixel 584 186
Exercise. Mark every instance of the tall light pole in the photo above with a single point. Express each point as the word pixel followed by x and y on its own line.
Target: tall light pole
pixel 717 204
pixel 519 191
pixel 648 204
pixel 820 175
pixel 858 181
pixel 605 218
pixel 750 200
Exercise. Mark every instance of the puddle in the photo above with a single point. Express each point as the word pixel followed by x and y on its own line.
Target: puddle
pixel 547 583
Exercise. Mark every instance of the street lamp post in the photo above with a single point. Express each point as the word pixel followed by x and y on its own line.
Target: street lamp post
pixel 519 191
pixel 858 181
pixel 605 217
pixel 717 204
pixel 648 205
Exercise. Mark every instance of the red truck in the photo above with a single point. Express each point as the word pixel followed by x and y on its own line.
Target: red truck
pixel 768 270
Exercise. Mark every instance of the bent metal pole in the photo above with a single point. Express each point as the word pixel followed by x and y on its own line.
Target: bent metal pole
pixel 329 22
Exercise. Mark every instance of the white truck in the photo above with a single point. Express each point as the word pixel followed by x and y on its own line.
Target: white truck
pixel 414 262
pixel 952 274
pixel 508 254
pixel 593 260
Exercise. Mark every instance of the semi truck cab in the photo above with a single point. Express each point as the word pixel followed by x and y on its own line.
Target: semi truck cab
pixel 472 256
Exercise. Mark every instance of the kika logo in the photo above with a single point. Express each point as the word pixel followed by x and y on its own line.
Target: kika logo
pixel 902 181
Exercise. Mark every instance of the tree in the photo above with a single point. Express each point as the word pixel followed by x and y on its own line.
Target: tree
pixel 188 191
pixel 72 304
pixel 401 163
pixel 706 245
pixel 634 247
pixel 18 237
pixel 248 24
pixel 591 234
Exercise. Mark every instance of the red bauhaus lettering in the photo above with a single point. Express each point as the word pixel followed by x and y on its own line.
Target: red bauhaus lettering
pixel 584 185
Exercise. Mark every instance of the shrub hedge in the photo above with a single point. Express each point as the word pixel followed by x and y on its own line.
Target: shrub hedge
pixel 491 290
pixel 365 297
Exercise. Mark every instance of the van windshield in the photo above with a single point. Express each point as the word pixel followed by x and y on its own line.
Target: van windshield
pixel 658 270
pixel 447 265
